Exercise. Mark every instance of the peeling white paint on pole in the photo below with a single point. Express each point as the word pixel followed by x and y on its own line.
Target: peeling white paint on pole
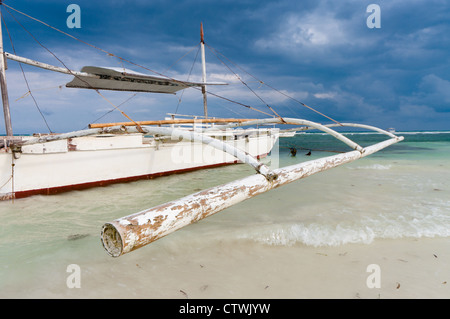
pixel 134 231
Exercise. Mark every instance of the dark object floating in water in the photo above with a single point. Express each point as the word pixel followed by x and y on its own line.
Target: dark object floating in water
pixel 76 236
pixel 293 151
pixel 308 154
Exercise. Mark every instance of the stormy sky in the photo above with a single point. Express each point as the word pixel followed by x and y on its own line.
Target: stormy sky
pixel 322 53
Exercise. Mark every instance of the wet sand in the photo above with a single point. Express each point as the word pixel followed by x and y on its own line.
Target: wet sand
pixel 408 268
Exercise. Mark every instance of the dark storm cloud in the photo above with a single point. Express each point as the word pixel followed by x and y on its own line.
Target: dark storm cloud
pixel 320 52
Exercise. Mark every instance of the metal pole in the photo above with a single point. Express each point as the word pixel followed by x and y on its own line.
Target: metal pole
pixel 4 88
pixel 202 45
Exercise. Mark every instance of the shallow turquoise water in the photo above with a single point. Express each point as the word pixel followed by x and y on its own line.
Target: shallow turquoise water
pixel 402 191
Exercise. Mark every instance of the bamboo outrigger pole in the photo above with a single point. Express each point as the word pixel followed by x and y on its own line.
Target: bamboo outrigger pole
pixel 131 232
pixel 4 88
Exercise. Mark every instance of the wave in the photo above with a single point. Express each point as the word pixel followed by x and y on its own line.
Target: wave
pixel 425 132
pixel 373 167
pixel 377 133
pixel 311 235
pixel 432 223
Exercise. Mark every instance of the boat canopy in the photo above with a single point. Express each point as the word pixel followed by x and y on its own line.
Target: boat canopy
pixel 120 79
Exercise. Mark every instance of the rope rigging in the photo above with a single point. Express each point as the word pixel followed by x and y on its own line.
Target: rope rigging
pixel 248 87
pixel 271 87
pixel 190 72
pixel 24 77
pixel 54 55
pixel 214 51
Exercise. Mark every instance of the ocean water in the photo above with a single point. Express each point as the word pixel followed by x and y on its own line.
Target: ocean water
pixel 400 192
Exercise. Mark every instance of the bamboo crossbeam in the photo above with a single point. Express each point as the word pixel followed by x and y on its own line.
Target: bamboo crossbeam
pixel 47 66
pixel 175 121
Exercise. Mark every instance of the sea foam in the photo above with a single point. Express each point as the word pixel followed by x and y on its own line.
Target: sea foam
pixel 429 220
pixel 373 167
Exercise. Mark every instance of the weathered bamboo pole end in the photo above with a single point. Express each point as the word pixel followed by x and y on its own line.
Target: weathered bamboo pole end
pixel 131 232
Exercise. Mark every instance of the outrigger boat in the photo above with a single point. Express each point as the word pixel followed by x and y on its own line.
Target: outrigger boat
pixel 119 152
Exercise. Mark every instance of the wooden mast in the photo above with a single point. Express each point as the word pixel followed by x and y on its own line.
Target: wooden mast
pixel 4 87
pixel 202 45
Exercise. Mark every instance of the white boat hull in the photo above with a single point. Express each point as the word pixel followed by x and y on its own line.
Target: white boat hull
pixel 90 161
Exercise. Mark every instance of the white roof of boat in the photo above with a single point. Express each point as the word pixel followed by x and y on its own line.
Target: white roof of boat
pixel 120 79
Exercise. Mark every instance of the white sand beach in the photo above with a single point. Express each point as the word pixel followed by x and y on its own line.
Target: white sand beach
pixel 409 268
